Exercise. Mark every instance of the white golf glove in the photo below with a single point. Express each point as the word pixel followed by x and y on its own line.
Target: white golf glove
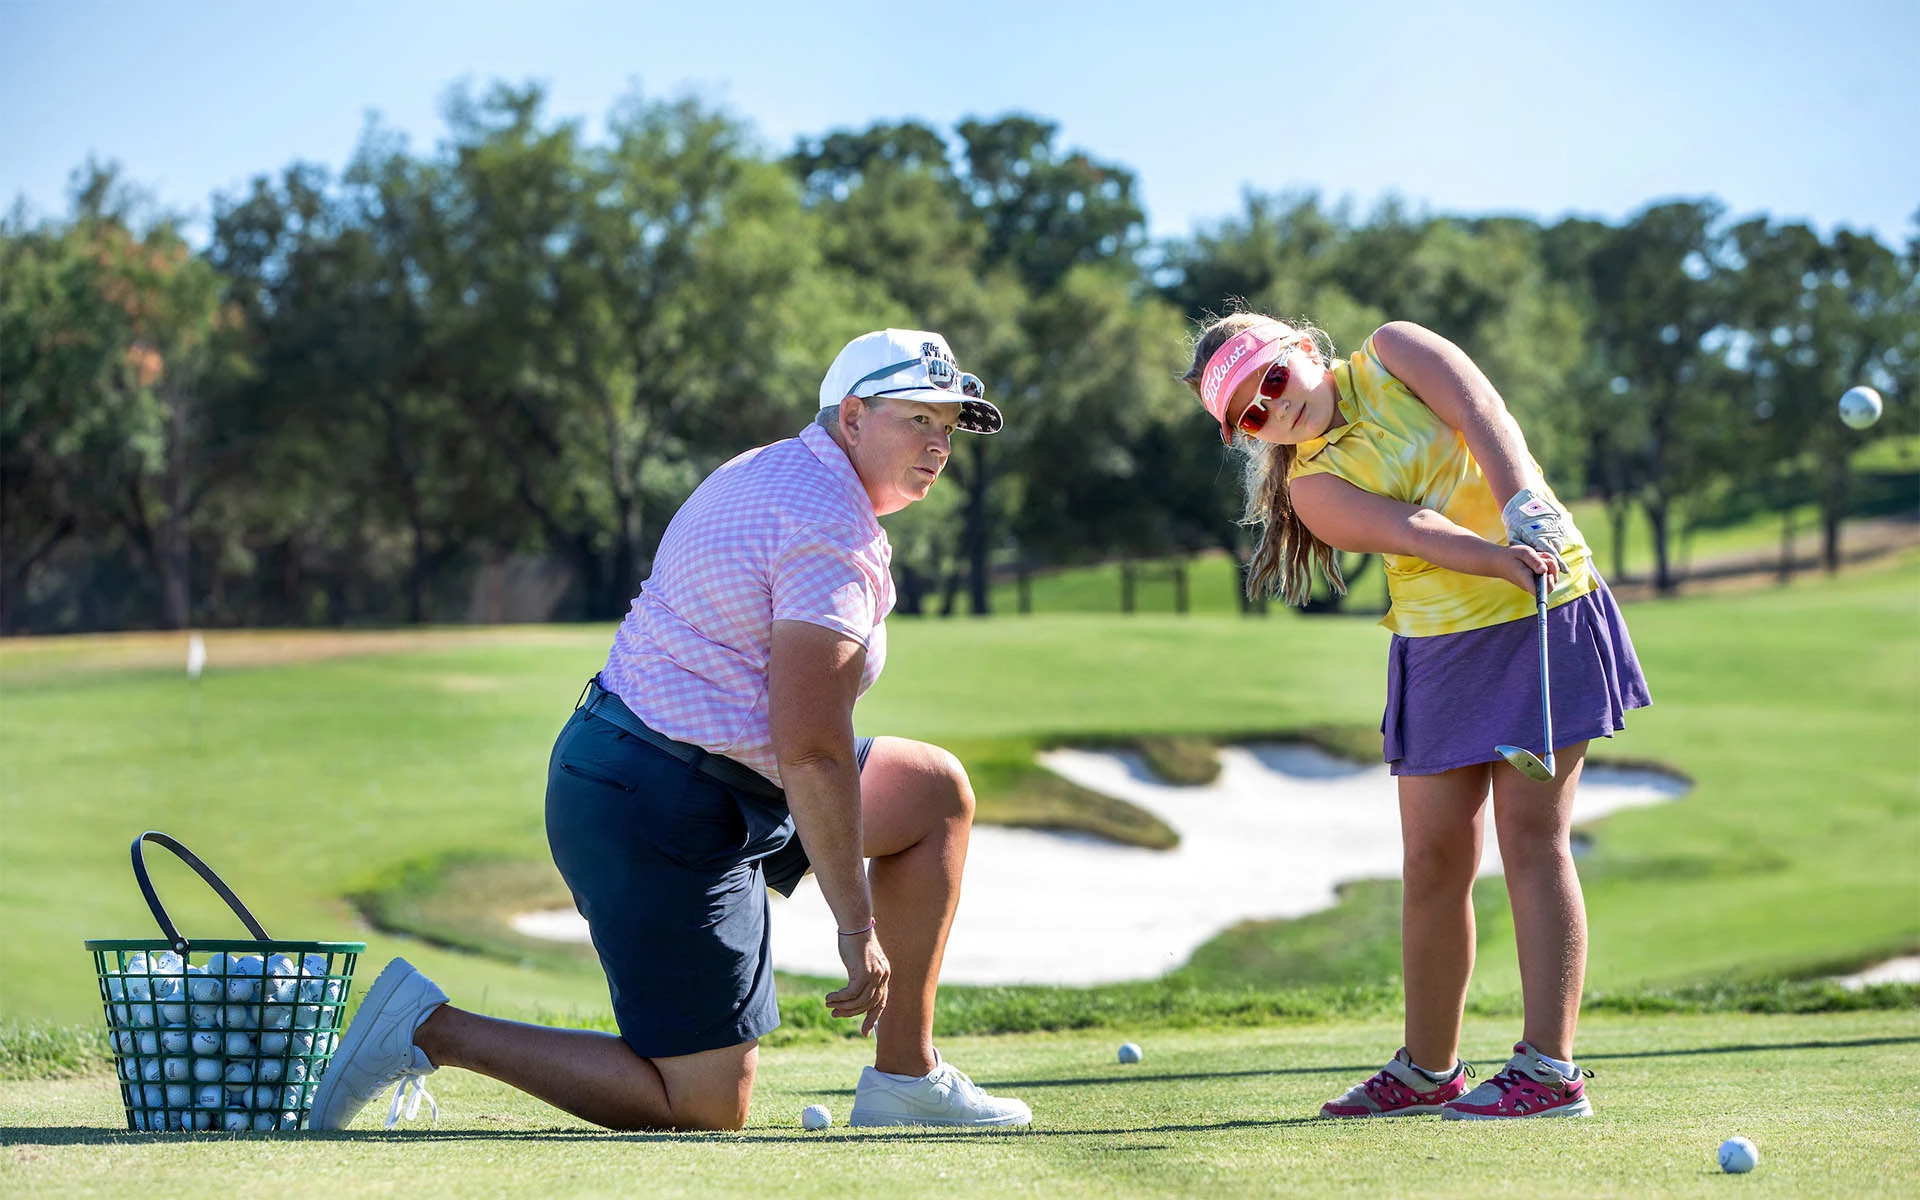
pixel 1533 519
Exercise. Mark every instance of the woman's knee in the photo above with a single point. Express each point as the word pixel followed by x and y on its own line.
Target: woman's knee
pixel 938 782
pixel 716 1114
pixel 709 1091
pixel 956 788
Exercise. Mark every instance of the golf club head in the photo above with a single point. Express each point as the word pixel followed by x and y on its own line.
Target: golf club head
pixel 1526 762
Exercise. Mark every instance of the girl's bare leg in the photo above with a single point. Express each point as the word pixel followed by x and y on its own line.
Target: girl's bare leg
pixel 1441 827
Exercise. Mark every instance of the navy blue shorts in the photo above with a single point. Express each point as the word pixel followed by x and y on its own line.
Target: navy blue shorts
pixel 670 867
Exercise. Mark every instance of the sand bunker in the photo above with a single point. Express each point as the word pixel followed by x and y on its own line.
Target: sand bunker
pixel 1271 837
pixel 1894 970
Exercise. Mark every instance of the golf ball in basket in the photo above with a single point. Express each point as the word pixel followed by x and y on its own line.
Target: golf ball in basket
pixel 1738 1155
pixel 1860 407
pixel 815 1116
pixel 1129 1053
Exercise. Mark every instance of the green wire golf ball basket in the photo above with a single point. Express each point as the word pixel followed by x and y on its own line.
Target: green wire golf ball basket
pixel 220 1034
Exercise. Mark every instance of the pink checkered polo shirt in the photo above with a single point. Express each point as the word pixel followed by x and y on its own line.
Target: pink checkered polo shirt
pixel 785 532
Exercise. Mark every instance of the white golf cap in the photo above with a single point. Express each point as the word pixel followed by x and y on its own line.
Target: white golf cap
pixel 911 364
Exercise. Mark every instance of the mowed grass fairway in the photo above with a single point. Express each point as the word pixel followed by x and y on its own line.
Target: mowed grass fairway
pixel 305 778
pixel 1207 1114
pixel 1794 710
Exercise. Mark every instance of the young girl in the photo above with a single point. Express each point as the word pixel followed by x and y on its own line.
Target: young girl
pixel 1406 450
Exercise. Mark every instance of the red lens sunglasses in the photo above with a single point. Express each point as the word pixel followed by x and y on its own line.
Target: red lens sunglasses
pixel 1253 418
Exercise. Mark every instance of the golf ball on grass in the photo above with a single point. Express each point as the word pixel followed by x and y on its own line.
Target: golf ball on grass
pixel 815 1116
pixel 1738 1155
pixel 1860 407
pixel 1129 1053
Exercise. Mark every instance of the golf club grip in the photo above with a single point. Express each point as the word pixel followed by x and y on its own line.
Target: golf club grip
pixel 219 885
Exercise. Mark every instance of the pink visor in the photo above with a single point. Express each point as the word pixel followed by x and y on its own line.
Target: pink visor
pixel 1240 356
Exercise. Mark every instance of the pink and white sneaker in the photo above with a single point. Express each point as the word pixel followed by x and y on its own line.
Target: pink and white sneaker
pixel 1528 1086
pixel 1398 1090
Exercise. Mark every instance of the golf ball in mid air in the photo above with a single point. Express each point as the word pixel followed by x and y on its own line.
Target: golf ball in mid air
pixel 1738 1155
pixel 1129 1053
pixel 1860 407
pixel 815 1116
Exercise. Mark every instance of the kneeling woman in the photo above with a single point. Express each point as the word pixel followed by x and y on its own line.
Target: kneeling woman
pixel 714 757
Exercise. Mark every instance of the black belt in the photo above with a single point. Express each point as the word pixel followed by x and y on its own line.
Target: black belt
pixel 717 767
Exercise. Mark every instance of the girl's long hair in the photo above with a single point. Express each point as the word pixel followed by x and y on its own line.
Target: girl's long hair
pixel 1287 552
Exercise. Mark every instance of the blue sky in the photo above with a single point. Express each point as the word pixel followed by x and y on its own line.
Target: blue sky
pixel 1800 111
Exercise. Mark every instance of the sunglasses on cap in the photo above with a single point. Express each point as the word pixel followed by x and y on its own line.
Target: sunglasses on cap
pixel 940 374
pixel 1253 418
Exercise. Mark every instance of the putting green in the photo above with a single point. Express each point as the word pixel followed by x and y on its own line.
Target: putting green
pixel 1215 1113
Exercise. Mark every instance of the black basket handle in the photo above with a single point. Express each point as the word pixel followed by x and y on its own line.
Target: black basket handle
pixel 180 944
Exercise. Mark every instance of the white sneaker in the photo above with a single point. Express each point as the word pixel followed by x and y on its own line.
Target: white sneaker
pixel 377 1051
pixel 943 1096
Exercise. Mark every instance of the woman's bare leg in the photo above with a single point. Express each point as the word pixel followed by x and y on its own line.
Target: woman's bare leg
pixel 917 813
pixel 596 1076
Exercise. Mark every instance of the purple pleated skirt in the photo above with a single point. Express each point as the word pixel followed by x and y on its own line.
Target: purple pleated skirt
pixel 1453 697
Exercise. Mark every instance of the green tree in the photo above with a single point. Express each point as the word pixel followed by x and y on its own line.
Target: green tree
pixel 1658 288
pixel 349 404
pixel 114 328
pixel 1099 401
pixel 897 220
pixel 620 318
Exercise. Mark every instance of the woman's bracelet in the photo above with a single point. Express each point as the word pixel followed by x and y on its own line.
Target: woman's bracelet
pixel 867 928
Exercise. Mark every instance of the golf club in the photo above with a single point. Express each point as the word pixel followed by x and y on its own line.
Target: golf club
pixel 1524 760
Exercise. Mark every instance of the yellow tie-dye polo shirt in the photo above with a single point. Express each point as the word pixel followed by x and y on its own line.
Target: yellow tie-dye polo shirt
pixel 1394 445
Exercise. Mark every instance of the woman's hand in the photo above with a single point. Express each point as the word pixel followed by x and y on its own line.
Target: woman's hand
pixel 867 976
pixel 1519 564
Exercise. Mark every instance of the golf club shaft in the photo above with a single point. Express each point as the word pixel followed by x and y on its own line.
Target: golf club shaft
pixel 1546 689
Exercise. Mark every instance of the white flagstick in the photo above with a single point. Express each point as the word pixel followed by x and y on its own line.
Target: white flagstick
pixel 196 663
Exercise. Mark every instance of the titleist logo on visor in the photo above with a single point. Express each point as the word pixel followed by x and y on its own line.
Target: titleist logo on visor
pixel 1217 372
